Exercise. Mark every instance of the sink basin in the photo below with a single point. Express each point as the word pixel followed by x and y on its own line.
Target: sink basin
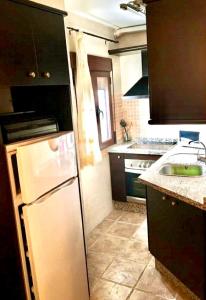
pixel 187 170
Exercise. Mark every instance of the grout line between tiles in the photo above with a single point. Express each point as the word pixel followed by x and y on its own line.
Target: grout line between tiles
pixel 121 284
pixel 100 235
pixel 128 297
pixel 119 254
pixel 106 233
pixel 107 269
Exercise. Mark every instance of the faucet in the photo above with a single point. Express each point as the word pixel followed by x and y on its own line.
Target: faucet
pixel 201 158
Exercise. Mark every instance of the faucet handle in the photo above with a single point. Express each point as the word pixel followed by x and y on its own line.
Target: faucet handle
pixel 192 141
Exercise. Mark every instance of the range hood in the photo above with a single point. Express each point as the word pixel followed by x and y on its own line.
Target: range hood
pixel 141 88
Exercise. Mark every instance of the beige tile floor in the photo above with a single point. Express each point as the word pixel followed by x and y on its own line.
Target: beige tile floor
pixel 120 265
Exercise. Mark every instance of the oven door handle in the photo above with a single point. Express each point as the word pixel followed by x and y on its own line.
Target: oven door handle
pixel 134 171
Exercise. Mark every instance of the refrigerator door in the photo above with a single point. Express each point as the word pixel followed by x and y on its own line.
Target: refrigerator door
pixel 55 245
pixel 44 165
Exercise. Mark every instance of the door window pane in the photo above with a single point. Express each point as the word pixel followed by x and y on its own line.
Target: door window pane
pixel 104 108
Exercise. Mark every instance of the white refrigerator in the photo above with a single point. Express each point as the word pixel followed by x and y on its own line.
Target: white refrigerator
pixel 51 214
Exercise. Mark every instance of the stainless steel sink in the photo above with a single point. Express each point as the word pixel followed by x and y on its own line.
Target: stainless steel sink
pixel 186 170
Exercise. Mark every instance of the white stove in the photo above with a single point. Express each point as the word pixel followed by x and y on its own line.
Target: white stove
pixel 136 191
pixel 137 165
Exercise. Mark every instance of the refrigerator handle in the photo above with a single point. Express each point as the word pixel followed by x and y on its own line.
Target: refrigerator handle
pixel 48 195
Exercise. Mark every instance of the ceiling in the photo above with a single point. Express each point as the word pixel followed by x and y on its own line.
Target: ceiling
pixel 107 12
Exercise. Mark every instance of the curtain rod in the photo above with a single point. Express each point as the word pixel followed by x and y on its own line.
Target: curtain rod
pixel 94 35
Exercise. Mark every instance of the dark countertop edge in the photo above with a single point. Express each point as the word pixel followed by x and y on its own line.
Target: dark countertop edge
pixel 41 6
pixel 173 194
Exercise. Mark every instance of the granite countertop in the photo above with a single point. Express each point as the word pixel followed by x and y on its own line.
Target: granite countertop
pixel 191 190
pixel 143 147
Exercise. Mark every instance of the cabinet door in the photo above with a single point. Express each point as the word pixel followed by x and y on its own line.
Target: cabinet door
pixel 117 176
pixel 177 65
pixel 17 57
pixel 50 43
pixel 160 227
pixel 188 245
pixel 177 238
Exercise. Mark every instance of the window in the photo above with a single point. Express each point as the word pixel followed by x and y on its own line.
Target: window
pixel 102 93
pixel 101 70
pixel 103 108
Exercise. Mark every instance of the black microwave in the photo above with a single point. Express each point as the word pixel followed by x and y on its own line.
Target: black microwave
pixel 23 125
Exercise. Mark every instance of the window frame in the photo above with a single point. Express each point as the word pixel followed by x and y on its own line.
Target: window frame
pixel 99 67
pixel 94 76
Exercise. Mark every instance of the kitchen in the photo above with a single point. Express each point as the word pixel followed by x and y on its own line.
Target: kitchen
pixel 95 180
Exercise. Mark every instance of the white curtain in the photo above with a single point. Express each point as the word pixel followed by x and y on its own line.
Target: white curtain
pixel 89 149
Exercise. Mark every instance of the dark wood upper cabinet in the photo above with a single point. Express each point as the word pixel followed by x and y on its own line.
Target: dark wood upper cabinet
pixel 17 53
pixel 50 46
pixel 32 45
pixel 176 57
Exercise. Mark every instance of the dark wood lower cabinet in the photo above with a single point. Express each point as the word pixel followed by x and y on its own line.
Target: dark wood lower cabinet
pixel 176 233
pixel 117 176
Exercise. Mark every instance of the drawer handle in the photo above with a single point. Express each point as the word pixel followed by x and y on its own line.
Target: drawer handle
pixel 173 203
pixel 118 156
pixel 31 75
pixel 163 197
pixel 46 75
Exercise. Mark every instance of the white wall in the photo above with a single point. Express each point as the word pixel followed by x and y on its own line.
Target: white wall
pixel 53 3
pixel 131 70
pixel 169 131
pixel 96 191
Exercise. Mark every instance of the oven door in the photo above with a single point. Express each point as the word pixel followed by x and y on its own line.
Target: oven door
pixel 136 191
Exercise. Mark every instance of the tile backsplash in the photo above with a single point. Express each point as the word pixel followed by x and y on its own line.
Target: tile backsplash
pixel 136 114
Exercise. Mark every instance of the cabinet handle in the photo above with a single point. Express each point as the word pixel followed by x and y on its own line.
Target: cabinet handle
pixel 46 75
pixel 173 203
pixel 31 74
pixel 118 156
pixel 163 197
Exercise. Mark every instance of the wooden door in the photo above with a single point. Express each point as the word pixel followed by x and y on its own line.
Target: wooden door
pixel 17 54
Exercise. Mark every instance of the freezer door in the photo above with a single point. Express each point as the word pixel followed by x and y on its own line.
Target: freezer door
pixel 44 165
pixel 55 245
